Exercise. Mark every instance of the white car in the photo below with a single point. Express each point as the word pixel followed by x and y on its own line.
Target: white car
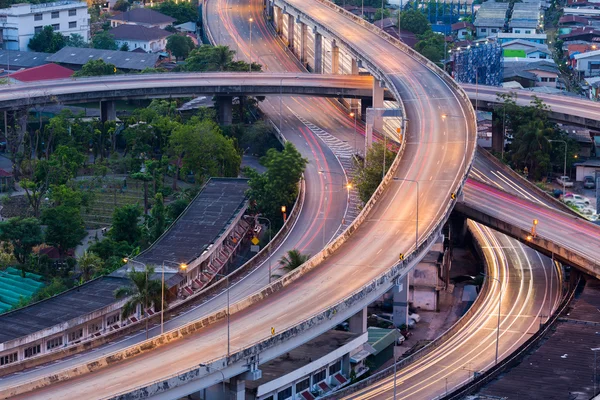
pixel 572 198
pixel 564 181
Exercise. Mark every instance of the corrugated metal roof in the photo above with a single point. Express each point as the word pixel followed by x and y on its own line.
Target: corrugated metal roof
pixel 380 338
pixel 120 59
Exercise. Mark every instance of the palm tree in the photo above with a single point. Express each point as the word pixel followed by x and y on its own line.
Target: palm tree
pixel 292 260
pixel 222 57
pixel 144 292
pixel 89 264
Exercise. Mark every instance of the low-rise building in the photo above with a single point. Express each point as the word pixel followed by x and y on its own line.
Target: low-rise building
pixel 490 18
pixel 151 40
pixel 462 30
pixel 21 22
pixel 75 58
pixel 12 61
pixel 143 17
pixel 530 74
pixel 525 49
pixel 504 37
pixel 41 73
pixel 526 18
pixel 588 64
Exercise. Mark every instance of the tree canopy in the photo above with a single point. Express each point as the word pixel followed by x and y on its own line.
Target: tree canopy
pixel 47 41
pixel 414 21
pixel 96 68
pixel 104 40
pixel 369 176
pixel 208 58
pixel 431 45
pixel 182 12
pixel 23 234
pixel 180 45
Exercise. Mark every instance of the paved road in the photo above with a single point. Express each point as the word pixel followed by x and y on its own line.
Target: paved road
pixel 528 283
pixel 437 156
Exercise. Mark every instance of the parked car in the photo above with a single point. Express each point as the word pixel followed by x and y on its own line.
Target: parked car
pixel 588 182
pixel 572 198
pixel 564 181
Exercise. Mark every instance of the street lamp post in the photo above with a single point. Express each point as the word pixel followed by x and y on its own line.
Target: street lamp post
pixel 353 114
pixel 269 221
pixel 565 164
pixel 417 223
pixel 250 65
pixel 499 305
pixel 283 211
pixel 183 267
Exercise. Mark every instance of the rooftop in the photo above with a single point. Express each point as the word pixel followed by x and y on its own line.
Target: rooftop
pixel 23 59
pixel 594 53
pixel 509 35
pixel 143 16
pixel 461 25
pixel 42 72
pixel 120 59
pixel 66 306
pixel 138 32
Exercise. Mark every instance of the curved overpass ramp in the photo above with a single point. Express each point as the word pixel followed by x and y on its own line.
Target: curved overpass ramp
pixel 357 268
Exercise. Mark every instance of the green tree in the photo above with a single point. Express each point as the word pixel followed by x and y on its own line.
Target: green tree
pixel 207 58
pixel 369 176
pixel 42 174
pixel 144 292
pixel 292 260
pixel 96 68
pixel 378 14
pixel 158 220
pixel 89 264
pixel 180 46
pixel 124 47
pixel 278 186
pixel 23 234
pixel 431 45
pixel 64 227
pixel 125 224
pixel 104 40
pixel 182 12
pixel 145 178
pixel 414 21
pixel 63 195
pixel 47 41
pixel 76 40
pixel 121 5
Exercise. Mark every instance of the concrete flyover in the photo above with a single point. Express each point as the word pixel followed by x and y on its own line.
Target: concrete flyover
pixel 564 109
pixel 570 240
pixel 108 88
pixel 316 296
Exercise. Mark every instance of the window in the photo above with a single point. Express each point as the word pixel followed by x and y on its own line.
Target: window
pixel 93 328
pixel 517 31
pixel 302 385
pixel 337 367
pixel 527 32
pixel 9 358
pixel 543 56
pixel 72 13
pixel 56 27
pixel 551 79
pixel 544 79
pixel 54 342
pixel 55 14
pixel 32 351
pixel 37 17
pixel 73 24
pixel 113 319
pixel 38 29
pixel 75 335
pixel 285 393
pixel 483 30
pixel 494 30
pixel 144 45
pixel 319 376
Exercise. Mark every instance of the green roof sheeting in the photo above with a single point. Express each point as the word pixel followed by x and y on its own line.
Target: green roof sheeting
pixel 14 287
pixel 514 53
pixel 380 338
pixel 14 271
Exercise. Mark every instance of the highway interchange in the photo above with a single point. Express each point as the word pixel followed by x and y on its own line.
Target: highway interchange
pixel 367 243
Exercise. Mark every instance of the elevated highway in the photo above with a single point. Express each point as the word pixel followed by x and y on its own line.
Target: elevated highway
pixel 317 296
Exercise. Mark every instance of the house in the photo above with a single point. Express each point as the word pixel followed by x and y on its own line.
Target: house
pixel 540 38
pixel 41 73
pixel 582 12
pixel 142 16
pixel 462 29
pixel 525 49
pixel 526 18
pixel 152 40
pixel 74 58
pixel 587 34
pixel 545 71
pixel 587 168
pixel 591 87
pixel 16 60
pixel 588 64
pixel 385 23
pixel 490 18
pixel 21 22
pixel 530 74
pixel 523 78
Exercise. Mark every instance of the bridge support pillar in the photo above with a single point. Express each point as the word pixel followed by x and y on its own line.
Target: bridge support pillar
pixel 358 322
pixel 291 33
pixel 318 52
pixel 224 104
pixel 278 19
pixel 108 111
pixel 237 388
pixel 335 58
pixel 303 51
pixel 354 71
pixel 378 92
pixel 400 293
pixel 497 133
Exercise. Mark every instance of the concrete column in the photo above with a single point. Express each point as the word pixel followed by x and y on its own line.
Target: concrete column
pixel 335 58
pixel 346 364
pixel 318 52
pixel 291 33
pixel 378 93
pixel 237 388
pixel 303 41
pixel 400 303
pixel 108 111
pixel 224 105
pixel 279 20
pixel 354 67
pixel 358 322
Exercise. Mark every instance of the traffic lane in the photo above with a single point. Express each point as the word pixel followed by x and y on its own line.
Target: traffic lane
pixel 487 172
pixel 525 295
pixel 568 231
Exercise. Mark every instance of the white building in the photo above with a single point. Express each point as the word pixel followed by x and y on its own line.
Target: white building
pixel 151 40
pixel 588 64
pixel 21 22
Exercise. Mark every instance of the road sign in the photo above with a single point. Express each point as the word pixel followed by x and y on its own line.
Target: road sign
pixel 401 257
pixel 453 196
pixel 255 241
pixel 272 331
